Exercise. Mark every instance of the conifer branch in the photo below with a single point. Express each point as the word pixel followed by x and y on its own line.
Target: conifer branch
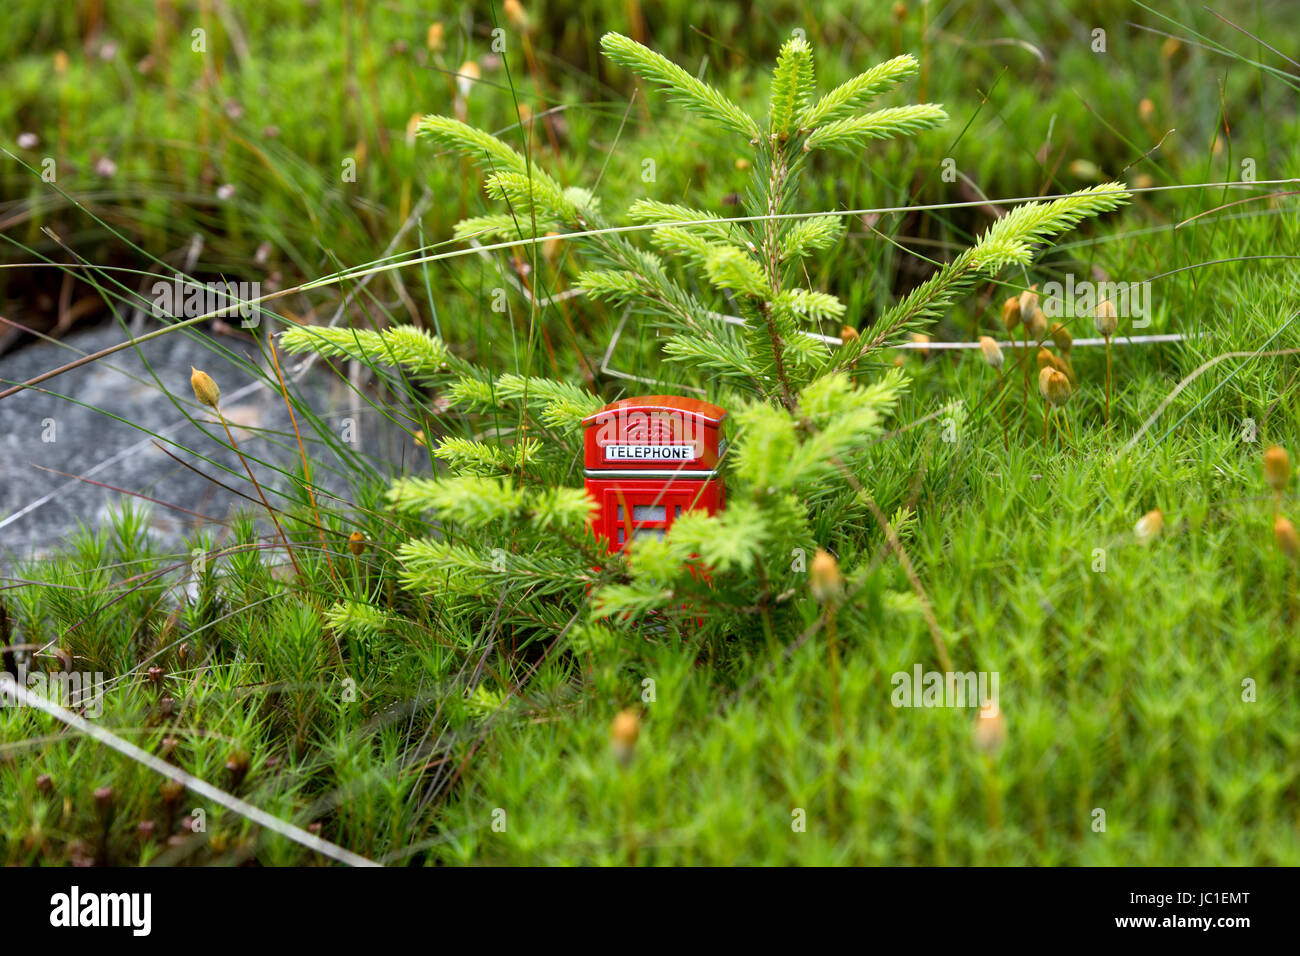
pixel 506 546
pixel 695 95
pixel 792 84
pixel 854 94
pixel 854 133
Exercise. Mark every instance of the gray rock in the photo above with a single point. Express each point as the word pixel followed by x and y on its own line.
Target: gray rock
pixel 95 422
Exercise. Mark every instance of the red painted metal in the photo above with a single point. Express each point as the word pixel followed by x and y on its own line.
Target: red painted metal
pixel 648 461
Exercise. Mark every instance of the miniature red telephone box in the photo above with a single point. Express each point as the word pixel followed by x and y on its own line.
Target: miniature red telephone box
pixel 650 459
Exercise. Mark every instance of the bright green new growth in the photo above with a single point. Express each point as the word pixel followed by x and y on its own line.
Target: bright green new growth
pixel 414 349
pixel 792 84
pixel 803 418
pixel 696 96
pixel 840 102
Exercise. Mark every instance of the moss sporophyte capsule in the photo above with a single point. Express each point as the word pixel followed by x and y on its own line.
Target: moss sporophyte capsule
pixel 650 460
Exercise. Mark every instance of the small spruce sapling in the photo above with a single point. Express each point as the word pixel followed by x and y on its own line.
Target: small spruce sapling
pixel 802 413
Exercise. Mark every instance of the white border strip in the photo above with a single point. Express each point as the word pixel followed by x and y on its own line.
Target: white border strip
pixel 685 475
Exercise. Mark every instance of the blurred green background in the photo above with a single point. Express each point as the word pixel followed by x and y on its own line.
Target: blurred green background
pixel 280 132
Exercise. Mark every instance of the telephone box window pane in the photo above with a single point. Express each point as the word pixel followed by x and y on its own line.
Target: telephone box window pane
pixel 647 533
pixel 622 536
pixel 677 511
pixel 648 513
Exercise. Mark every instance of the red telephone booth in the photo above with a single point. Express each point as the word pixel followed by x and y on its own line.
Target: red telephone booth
pixel 649 460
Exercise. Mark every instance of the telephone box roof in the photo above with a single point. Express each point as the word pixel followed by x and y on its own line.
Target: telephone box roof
pixel 690 407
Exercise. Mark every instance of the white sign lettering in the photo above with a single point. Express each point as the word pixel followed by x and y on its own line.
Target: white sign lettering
pixel 649 452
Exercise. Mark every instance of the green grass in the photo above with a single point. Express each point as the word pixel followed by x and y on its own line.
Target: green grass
pixel 1121 689
pixel 410 726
